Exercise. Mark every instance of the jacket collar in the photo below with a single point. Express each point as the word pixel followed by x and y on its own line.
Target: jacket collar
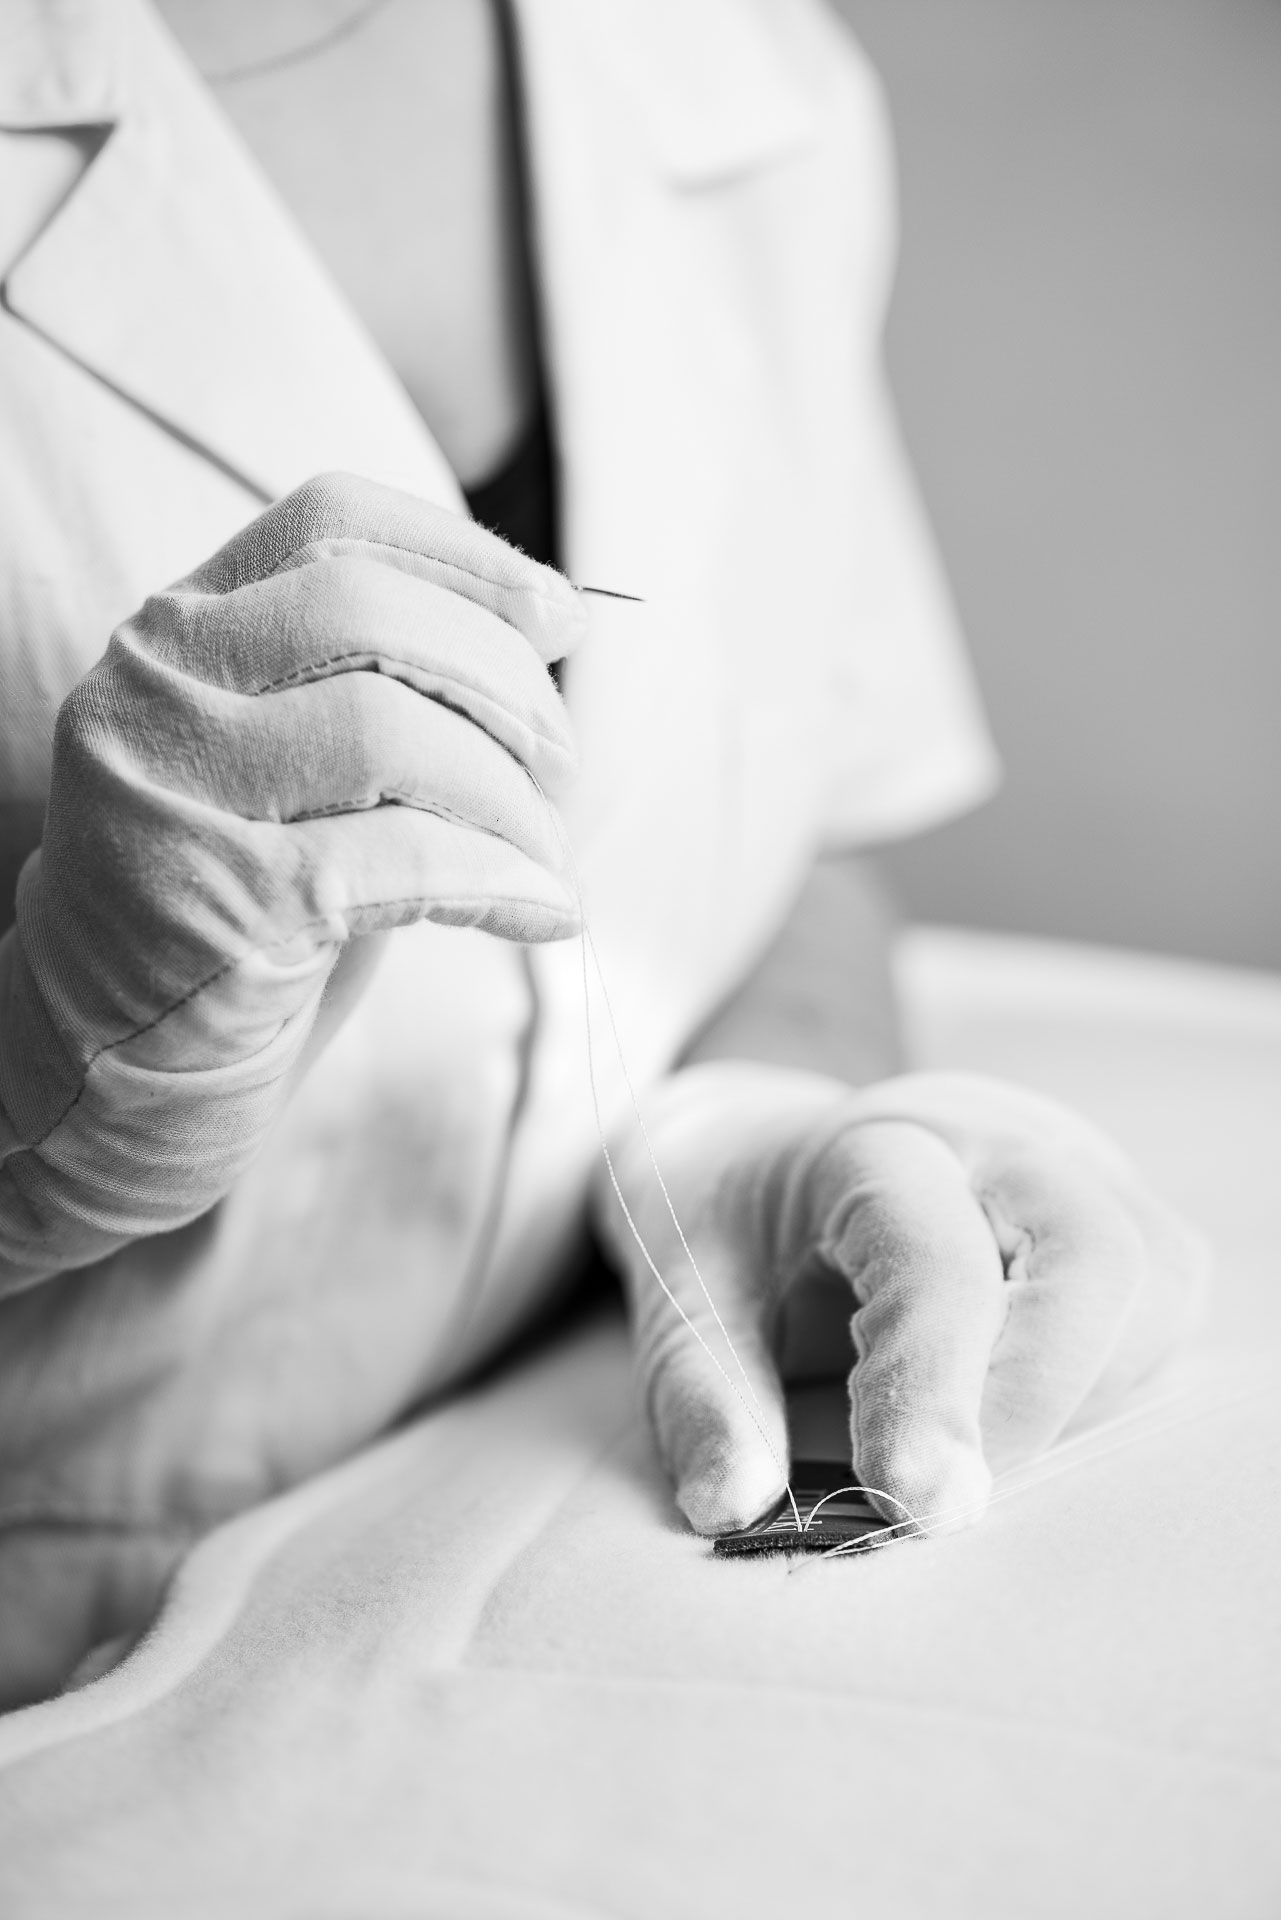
pixel 60 63
pixel 705 81
pixel 171 257
pixel 171 260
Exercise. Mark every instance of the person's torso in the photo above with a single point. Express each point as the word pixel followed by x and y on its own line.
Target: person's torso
pixel 709 192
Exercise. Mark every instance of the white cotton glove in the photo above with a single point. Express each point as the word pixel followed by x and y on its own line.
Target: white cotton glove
pixel 323 732
pixel 1006 1268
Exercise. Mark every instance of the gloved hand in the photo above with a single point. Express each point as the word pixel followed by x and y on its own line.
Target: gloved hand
pixel 1004 1266
pixel 322 732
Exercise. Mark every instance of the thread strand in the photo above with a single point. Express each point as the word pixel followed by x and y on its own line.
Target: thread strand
pixel 587 946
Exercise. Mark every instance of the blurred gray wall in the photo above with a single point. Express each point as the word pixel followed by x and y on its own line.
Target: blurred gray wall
pixel 1086 348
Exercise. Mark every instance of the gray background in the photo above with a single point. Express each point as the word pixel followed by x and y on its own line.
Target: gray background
pixel 1085 344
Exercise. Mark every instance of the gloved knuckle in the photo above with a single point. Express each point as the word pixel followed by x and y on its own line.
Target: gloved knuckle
pixel 322 502
pixel 83 718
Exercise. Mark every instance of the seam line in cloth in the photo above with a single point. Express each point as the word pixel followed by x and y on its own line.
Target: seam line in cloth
pixel 450 1653
pixel 210 1590
pixel 852 1702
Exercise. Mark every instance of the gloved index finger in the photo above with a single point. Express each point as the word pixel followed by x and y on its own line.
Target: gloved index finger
pixel 904 1228
pixel 351 617
pixel 335 512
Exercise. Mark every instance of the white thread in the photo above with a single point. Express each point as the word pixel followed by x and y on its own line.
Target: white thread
pixel 1075 1445
pixel 588 945
pixel 878 1491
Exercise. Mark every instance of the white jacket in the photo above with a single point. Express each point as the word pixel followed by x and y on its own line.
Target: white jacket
pixel 712 247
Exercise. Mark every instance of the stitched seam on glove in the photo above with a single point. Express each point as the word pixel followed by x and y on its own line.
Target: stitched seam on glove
pixel 149 1026
pixel 306 676
pixel 294 559
pixel 393 797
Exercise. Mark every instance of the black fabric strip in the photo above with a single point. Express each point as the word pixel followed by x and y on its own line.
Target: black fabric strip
pixel 519 501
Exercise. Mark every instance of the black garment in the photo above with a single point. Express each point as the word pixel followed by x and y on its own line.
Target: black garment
pixel 519 501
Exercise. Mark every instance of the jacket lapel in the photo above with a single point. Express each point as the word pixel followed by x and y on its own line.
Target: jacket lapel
pixel 59 63
pixel 173 275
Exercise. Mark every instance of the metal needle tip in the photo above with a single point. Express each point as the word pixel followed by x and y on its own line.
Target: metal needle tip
pixel 608 593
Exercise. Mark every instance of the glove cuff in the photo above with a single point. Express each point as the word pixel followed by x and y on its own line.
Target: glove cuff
pixel 143 1133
